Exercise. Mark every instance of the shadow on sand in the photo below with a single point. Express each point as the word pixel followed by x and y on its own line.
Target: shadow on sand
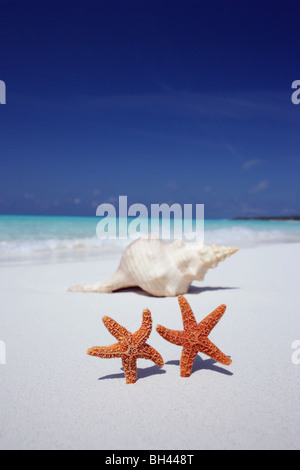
pixel 192 290
pixel 199 364
pixel 141 374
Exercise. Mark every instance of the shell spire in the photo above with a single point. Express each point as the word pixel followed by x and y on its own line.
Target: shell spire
pixel 222 252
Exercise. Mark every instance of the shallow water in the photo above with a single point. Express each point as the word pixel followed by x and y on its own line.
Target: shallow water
pixel 53 238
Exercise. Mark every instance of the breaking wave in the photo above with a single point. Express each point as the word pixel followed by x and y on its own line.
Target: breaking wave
pixel 79 248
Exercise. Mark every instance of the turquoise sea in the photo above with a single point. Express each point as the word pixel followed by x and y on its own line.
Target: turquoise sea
pixel 39 237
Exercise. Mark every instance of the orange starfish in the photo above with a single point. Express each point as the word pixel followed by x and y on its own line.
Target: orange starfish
pixel 194 337
pixel 130 347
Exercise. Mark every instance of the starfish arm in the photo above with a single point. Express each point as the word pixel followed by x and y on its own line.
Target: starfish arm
pixel 188 317
pixel 187 360
pixel 117 330
pixel 208 348
pixel 173 336
pixel 151 353
pixel 106 352
pixel 144 331
pixel 130 369
pixel 209 322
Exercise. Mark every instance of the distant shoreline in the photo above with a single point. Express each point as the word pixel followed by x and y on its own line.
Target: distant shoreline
pixel 94 217
pixel 280 218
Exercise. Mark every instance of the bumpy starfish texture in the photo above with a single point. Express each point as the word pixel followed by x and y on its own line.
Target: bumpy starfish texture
pixel 130 346
pixel 194 337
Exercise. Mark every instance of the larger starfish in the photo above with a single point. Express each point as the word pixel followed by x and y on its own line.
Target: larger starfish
pixel 130 347
pixel 194 337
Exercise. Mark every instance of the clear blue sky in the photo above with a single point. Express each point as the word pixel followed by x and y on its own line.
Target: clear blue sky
pixel 183 101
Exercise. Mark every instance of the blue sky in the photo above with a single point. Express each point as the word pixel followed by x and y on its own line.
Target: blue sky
pixel 183 101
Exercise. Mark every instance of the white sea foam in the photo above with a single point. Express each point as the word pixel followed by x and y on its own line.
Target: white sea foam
pixel 91 247
pixel 246 237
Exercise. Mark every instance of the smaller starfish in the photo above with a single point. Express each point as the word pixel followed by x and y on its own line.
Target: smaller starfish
pixel 130 347
pixel 194 337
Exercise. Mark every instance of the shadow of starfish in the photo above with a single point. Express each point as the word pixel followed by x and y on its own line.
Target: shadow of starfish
pixel 142 373
pixel 200 364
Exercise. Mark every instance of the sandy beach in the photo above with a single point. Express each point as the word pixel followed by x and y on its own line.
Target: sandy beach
pixel 177 121
pixel 54 396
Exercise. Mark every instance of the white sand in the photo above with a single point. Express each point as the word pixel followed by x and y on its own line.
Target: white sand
pixel 54 396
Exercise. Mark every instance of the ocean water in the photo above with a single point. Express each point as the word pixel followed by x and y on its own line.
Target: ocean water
pixel 33 238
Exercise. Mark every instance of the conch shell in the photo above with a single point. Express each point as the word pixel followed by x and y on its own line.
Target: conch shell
pixel 160 268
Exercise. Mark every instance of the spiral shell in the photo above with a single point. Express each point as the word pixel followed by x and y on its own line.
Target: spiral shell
pixel 160 268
